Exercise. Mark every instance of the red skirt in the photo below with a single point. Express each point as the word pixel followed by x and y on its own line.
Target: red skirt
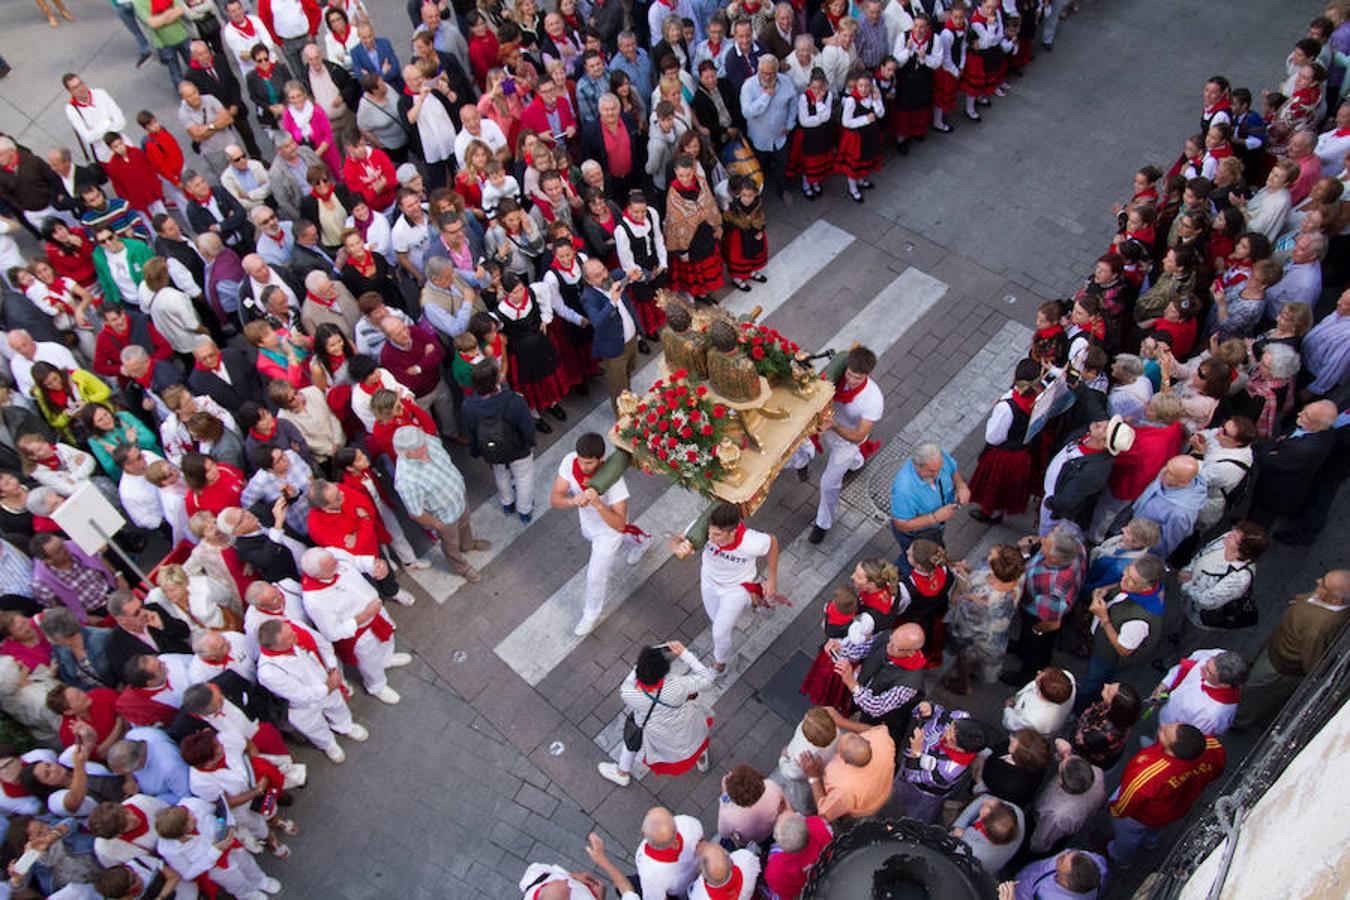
pixel 684 765
pixel 814 168
pixel 980 79
pixel 575 362
pixel 740 265
pixel 823 686
pixel 1026 52
pixel 944 90
pixel 851 163
pixel 1003 480
pixel 651 318
pixel 539 395
pixel 910 123
pixel 698 277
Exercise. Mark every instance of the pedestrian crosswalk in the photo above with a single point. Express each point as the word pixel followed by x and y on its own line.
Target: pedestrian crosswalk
pixel 787 272
pixel 806 569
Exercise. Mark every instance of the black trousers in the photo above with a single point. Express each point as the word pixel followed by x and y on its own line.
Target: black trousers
pixel 1036 649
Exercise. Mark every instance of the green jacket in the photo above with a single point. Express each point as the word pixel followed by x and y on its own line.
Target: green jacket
pixel 103 446
pixel 88 387
pixel 170 35
pixel 138 253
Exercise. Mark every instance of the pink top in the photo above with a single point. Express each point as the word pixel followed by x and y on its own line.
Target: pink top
pixel 320 132
pixel 753 823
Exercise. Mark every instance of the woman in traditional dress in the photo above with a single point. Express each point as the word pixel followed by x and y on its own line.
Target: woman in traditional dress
pixel 924 594
pixel 570 331
pixel 693 230
pixel 746 246
pixel 860 138
pixel 1002 482
pixel 673 727
pixel 919 54
pixel 639 244
pixel 532 361
pixel 811 154
pixel 986 61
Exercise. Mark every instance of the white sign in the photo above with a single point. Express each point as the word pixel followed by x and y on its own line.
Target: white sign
pixel 89 518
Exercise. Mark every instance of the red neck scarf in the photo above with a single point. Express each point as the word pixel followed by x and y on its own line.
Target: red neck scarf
pixel 140 829
pixel 321 194
pixel 931 584
pixel 714 49
pixel 245 29
pixel 313 583
pixel 59 398
pixel 881 600
pixel 13 790
pixel 82 104
pixel 342 35
pixel 524 303
pixel 956 754
pixel 843 394
pixel 1221 106
pixel 649 688
pixel 322 301
pixel 1024 402
pixel 364 263
pixel 669 854
pixel 52 462
pixel 1218 693
pixel 631 220
pixel 207 66
pixel 834 617
pixel 913 662
pixel 145 380
pixel 735 541
pixel 1050 331
pixel 1085 449
pixel 370 389
pixel 265 69
pixel 729 891
pixel 581 478
pixel 264 437
pixel 303 640
pixel 1148 193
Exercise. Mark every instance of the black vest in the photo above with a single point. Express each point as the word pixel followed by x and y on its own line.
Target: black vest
pixel 878 674
pixel 644 248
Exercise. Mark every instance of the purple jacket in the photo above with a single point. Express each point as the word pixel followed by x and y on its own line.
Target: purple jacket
pixel 69 599
pixel 224 276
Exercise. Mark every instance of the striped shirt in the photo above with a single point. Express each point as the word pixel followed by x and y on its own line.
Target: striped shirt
pixel 431 486
pixel 16 571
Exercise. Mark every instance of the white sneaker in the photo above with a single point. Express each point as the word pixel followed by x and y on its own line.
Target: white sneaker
pixel 635 552
pixel 398 660
pixel 271 886
pixel 358 733
pixel 418 564
pixel 336 754
pixel 586 625
pixel 702 762
pixel 610 772
pixel 403 598
pixel 386 694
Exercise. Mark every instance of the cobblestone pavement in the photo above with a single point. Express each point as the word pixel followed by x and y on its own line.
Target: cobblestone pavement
pixel 479 770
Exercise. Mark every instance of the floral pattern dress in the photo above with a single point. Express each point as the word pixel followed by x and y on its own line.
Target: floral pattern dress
pixel 978 623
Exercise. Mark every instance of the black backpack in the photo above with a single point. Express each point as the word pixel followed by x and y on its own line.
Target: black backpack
pixel 498 440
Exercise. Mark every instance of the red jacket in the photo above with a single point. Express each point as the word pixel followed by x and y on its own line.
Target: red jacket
pixel 381 438
pixel 135 179
pixel 220 496
pixel 102 715
pixel 311 13
pixel 1134 469
pixel 483 55
pixel 359 174
pixel 162 149
pixel 355 527
pixel 534 118
pixel 108 349
pixel 1157 789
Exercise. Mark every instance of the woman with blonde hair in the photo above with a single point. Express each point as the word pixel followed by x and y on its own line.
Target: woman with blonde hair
pixel 215 557
pixel 816 734
pixel 471 177
pixel 501 103
pixel 199 602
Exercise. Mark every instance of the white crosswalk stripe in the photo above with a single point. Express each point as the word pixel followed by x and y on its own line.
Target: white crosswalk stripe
pixel 544 639
pixel 806 569
pixel 788 270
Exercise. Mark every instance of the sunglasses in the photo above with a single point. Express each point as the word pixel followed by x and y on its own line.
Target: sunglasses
pixel 104 240
pixel 235 159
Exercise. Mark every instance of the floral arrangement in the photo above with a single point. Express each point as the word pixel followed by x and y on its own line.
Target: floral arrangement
pixel 675 430
pixel 769 350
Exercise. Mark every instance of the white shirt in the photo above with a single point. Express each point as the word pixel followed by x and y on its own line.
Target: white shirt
pixel 194 854
pixel 1222 468
pixel 92 122
pixel 726 569
pixel 241 660
pixel 140 498
pixel 1331 148
pixel 1189 704
pixel 119 267
pixel 235 777
pixel 173 314
pixel 867 406
pixel 379 238
pixel 298 676
pixel 744 860
pixel 240 43
pixel 289 19
pixel 1132 633
pixel 1031 710
pixel 405 237
pixel 436 130
pixel 489 132
pixel 671 879
pixel 47 351
pixel 334 608
pixel 592 526
pixel 112 852
pixel 361 400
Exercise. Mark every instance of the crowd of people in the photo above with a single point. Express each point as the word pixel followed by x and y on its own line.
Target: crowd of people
pixel 256 329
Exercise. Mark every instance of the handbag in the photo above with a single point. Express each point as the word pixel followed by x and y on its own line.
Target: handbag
pixel 632 731
pixel 1240 612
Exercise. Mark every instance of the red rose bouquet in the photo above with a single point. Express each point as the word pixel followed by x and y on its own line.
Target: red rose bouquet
pixel 675 431
pixel 771 353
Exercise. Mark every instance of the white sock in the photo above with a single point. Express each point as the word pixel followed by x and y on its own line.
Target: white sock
pixel 970 106
pixel 937 117
pixel 853 186
pixel 806 185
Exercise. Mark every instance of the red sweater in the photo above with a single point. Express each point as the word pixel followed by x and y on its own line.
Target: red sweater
pixel 356 520
pixel 108 349
pixel 165 155
pixel 483 55
pixel 1157 789
pixel 535 118
pixel 135 179
pixel 360 174
pixel 221 495
pixel 102 715
pixel 381 438
pixel 1153 446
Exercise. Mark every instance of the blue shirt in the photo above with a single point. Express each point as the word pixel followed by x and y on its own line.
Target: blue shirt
pixel 768 119
pixel 639 71
pixel 912 497
pixel 1175 509
pixel 164 774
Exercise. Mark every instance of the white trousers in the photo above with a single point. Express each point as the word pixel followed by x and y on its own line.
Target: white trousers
pixel 724 607
pixel 372 658
pixel 320 721
pixel 250 820
pixel 515 483
pixel 627 759
pixel 842 458
pixel 604 549
pixel 242 877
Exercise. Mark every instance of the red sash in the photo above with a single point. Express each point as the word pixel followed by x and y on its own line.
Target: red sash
pixel 378 626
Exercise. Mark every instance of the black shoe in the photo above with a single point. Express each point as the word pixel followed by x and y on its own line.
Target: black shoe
pixel 983 101
pixel 740 284
pixel 558 412
pixel 804 473
pixel 542 427
pixel 978 515
pixel 944 128
pixel 865 184
pixel 857 198
pixel 759 276
pixel 582 390
pixel 145 58
pixel 902 147
pixel 1048 48
pixel 974 117
pixel 817 535
pixel 643 346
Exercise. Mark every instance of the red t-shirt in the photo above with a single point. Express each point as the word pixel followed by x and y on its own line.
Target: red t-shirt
pixel 227 490
pixel 102 715
pixel 786 873
pixel 1157 789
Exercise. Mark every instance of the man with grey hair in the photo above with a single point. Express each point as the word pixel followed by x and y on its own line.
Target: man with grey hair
pixel 724 875
pixel 1302 279
pixel 328 302
pixel 245 179
pixel 926 493
pixel 208 124
pixel 1174 500
pixel 347 610
pixel 1054 575
pixel 1302 152
pixel 446 299
pixel 769 104
pixel 432 490
pixel 79 651
pixel 666 861
pixel 287 174
pixel 276 238
pixel 603 139
pixel 26 352
pixel 1131 391
pixel 151 757
pixel 797 843
pixel 345 518
pixel 302 669
pixel 1202 690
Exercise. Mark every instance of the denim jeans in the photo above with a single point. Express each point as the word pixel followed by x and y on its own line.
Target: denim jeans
pixel 128 16
pixel 1099 673
pixel 1128 837
pixel 169 55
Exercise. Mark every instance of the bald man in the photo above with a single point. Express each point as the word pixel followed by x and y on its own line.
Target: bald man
pixel 858 780
pixel 1173 500
pixel 667 861
pixel 888 682
pixel 1287 468
pixel 723 875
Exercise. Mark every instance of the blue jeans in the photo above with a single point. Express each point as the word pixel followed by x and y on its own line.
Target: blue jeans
pixel 1128 837
pixel 169 55
pixel 1099 673
pixel 128 16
